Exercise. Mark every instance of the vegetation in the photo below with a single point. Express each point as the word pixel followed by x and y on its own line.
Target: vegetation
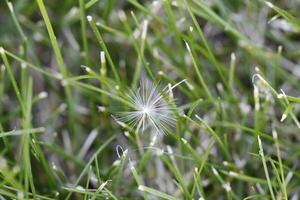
pixel 165 99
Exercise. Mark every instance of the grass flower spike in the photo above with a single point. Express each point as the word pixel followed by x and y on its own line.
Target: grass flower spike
pixel 152 108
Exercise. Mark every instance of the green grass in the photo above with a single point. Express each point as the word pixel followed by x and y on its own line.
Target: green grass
pixel 226 72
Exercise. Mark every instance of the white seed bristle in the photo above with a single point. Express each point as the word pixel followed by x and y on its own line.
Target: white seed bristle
pixel 231 173
pixel 169 149
pixel 160 73
pixel 1 50
pixel 102 71
pixel 87 69
pixel 10 6
pixel 58 75
pixel 119 150
pixel 43 95
pixel 125 153
pixel 227 187
pixel 54 166
pixel 132 168
pixel 116 163
pixel 280 96
pixel 62 107
pixel 174 3
pixel 283 117
pixel 232 56
pixel 257 69
pixel 190 86
pixel 136 33
pixel 145 28
pixel 273 19
pixel 183 140
pixel 101 108
pixel 187 46
pixel 153 141
pixel 171 95
pixel 118 121
pixel 2 67
pixel 256 96
pixel 102 186
pixel 3 163
pixel 289 176
pixel 159 152
pixel 122 15
pixel 80 188
pixel 196 170
pixel 225 163
pixel 269 4
pixel 126 133
pixel 279 49
pixel 20 195
pixel 23 65
pixel 102 57
pixel 64 82
pixel 89 18
pixel 141 187
pixel 274 133
pixel 260 145
pixel 216 173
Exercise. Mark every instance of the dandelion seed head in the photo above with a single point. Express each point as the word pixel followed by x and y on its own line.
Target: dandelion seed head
pixel 151 108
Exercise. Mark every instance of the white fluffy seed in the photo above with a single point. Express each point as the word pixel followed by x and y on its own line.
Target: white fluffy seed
pixel 89 18
pixel 43 95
